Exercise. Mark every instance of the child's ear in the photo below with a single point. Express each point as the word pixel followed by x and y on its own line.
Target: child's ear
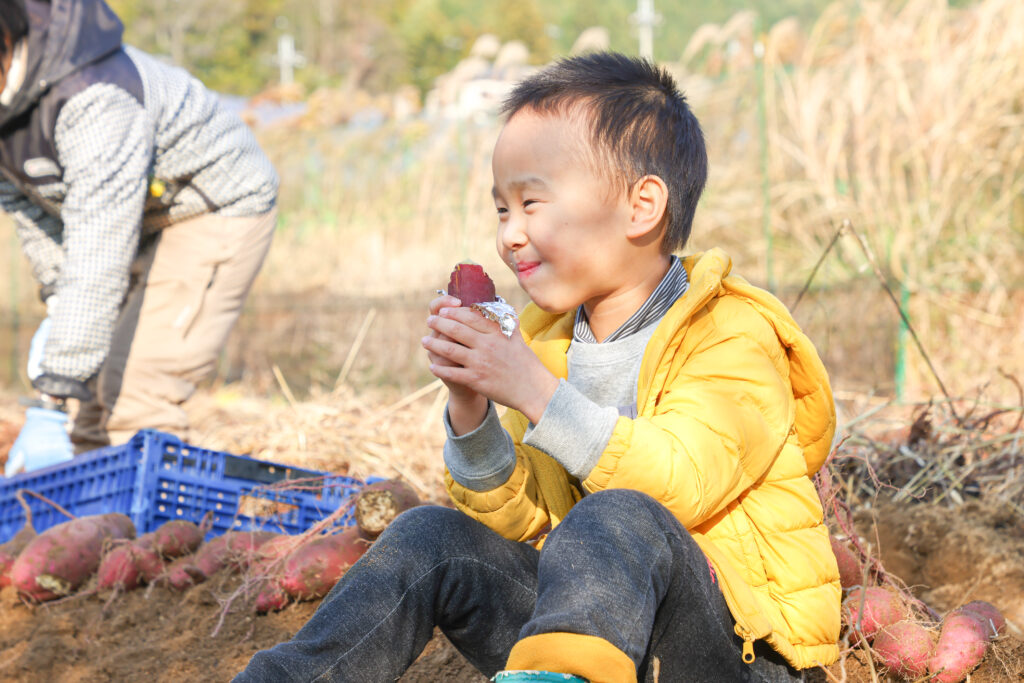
pixel 648 200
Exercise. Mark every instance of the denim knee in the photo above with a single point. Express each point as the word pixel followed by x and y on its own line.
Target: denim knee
pixel 425 525
pixel 619 507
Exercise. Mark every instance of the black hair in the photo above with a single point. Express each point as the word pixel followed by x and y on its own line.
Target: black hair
pixel 13 25
pixel 640 122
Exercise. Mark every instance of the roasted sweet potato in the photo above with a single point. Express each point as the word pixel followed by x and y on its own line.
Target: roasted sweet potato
pixel 471 285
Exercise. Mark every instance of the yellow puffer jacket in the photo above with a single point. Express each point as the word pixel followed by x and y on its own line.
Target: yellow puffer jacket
pixel 735 415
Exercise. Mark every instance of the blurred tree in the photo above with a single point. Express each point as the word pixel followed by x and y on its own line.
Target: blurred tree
pixel 520 20
pixel 380 44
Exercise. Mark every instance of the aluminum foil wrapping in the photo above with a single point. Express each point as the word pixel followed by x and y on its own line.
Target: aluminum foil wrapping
pixel 500 311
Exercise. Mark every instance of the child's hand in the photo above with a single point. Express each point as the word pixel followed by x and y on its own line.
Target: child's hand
pixel 479 357
pixel 466 407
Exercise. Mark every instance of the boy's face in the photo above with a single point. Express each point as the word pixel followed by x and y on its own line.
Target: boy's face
pixel 561 225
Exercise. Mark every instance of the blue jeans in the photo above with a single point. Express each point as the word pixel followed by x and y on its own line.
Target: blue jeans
pixel 619 567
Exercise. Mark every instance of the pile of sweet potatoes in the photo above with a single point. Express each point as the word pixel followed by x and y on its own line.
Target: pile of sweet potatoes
pixel 909 641
pixel 62 559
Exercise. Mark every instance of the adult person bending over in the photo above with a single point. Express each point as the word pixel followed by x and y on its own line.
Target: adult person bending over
pixel 145 211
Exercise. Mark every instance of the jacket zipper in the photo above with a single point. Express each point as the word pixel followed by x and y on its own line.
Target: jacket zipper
pixel 748 644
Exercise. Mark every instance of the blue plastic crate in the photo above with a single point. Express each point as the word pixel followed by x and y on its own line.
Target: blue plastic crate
pixel 156 477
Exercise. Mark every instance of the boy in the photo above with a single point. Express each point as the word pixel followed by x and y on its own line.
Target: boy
pixel 664 421
pixel 145 210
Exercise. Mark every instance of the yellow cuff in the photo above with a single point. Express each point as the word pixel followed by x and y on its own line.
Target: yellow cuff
pixel 589 657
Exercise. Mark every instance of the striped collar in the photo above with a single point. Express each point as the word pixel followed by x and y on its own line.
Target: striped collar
pixel 671 287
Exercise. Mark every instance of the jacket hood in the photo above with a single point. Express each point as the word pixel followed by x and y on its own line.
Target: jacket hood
pixel 64 36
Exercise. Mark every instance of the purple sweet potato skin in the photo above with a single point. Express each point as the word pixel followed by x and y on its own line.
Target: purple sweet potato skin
pixel 881 608
pixel 961 647
pixel 849 565
pixel 992 620
pixel 61 558
pixel 232 549
pixel 176 538
pixel 312 569
pixel 181 574
pixel 271 597
pixel 10 550
pixel 904 647
pixel 129 565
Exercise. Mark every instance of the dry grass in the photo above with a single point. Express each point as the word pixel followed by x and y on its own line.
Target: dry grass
pixel 371 433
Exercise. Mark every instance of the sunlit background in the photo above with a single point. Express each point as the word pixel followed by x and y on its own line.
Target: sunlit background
pixel 902 120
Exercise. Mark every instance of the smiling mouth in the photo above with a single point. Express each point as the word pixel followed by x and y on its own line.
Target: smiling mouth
pixel 524 268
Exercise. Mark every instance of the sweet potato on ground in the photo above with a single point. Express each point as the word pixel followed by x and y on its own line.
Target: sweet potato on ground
pixel 176 537
pixel 10 550
pixel 872 608
pixel 312 569
pixel 849 565
pixel 61 558
pixel 128 565
pixel 961 647
pixel 988 614
pixel 904 648
pixel 181 574
pixel 270 597
pixel 233 549
pixel 379 503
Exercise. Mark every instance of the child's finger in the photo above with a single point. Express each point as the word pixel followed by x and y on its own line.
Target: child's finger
pixel 455 353
pixel 467 319
pixel 443 301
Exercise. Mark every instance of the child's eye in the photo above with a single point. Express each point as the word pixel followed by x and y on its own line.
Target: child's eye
pixel 528 202
pixel 502 210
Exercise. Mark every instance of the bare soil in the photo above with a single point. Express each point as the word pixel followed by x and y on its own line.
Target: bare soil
pixel 947 557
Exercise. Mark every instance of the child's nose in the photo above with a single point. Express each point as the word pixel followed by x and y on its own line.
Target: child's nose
pixel 512 235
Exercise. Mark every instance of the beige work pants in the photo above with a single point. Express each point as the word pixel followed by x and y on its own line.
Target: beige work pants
pixel 186 292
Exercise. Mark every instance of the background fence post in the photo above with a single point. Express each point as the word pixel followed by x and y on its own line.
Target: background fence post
pixel 900 369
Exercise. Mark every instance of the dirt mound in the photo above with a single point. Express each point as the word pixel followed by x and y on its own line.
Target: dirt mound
pixel 162 635
pixel 946 557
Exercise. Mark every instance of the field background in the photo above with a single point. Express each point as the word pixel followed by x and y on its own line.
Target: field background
pixel 904 118
pixel 866 158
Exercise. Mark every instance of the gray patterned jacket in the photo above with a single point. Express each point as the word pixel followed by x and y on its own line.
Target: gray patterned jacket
pixel 100 146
